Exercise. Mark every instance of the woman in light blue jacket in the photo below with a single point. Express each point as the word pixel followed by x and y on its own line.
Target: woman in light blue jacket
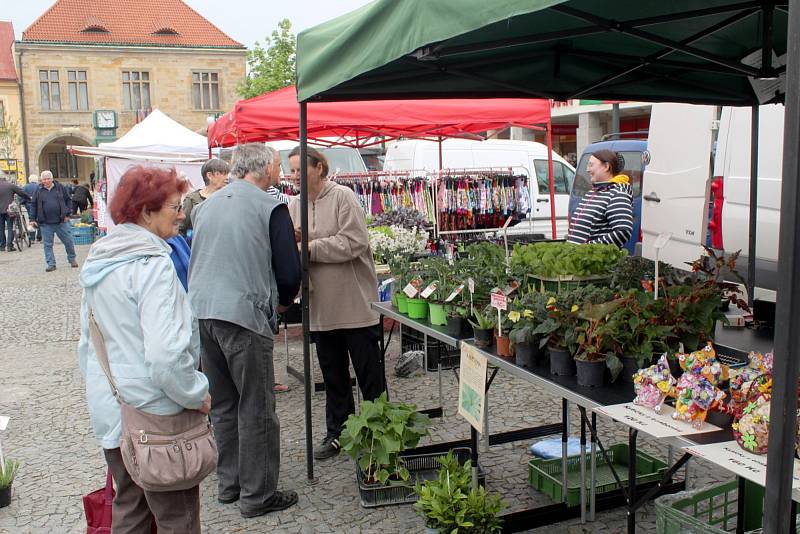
pixel 130 284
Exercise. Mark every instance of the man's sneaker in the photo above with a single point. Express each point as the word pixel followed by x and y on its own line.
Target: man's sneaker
pixel 50 269
pixel 328 449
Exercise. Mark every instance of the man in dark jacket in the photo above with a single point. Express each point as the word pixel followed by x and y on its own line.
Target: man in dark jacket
pixel 7 191
pixel 81 197
pixel 50 211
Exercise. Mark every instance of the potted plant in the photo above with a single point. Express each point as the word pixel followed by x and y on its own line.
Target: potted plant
pixel 501 338
pixel 524 320
pixel 7 473
pixel 594 354
pixel 449 504
pixel 456 320
pixel 483 327
pixel 439 270
pixel 377 436
pixel 400 268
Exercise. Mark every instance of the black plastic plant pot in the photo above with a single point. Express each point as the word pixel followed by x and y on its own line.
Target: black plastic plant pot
pixel 591 373
pixel 629 368
pixel 561 362
pixel 525 354
pixel 5 497
pixel 483 337
pixel 455 326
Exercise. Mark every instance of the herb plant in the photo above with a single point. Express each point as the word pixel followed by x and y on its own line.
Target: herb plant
pixel 8 472
pixel 379 433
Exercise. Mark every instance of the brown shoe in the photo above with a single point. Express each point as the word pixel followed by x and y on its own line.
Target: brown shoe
pixel 74 264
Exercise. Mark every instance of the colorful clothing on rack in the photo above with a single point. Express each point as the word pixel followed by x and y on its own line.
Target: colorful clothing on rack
pixel 481 200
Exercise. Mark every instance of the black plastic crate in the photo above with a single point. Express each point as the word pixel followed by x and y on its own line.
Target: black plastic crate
pixel 414 340
pixel 421 467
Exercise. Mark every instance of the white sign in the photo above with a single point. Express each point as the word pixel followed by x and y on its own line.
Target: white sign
pixel 471 285
pixel 411 291
pixel 499 301
pixel 731 457
pixel 472 386
pixel 428 290
pixel 647 420
pixel 457 291
pixel 4 419
pixel 662 240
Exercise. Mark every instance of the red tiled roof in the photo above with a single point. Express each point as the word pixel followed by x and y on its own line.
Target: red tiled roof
pixel 7 69
pixel 131 22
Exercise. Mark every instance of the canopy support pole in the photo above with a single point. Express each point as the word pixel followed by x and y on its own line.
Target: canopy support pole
pixel 304 256
pixel 783 405
pixel 751 246
pixel 551 178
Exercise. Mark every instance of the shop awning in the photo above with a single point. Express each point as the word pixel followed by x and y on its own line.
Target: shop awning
pixel 274 116
pixel 678 51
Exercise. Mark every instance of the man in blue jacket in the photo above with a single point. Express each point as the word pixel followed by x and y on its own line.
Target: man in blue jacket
pixel 50 210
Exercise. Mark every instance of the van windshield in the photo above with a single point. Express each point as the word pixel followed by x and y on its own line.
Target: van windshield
pixel 631 166
pixel 340 159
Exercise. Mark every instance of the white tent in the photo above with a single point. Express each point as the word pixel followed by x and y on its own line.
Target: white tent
pixel 156 141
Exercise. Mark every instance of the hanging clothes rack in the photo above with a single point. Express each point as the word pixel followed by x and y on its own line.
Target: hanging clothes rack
pixel 381 191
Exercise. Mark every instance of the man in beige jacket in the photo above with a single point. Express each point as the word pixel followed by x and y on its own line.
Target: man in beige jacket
pixel 343 285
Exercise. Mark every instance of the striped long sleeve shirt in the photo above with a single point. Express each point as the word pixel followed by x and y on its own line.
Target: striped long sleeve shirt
pixel 604 215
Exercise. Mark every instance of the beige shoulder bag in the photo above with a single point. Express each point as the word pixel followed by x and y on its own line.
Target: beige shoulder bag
pixel 160 452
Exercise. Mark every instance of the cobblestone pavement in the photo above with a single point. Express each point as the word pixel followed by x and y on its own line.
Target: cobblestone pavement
pixel 42 390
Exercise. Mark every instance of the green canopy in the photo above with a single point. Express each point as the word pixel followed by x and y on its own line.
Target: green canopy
pixel 678 51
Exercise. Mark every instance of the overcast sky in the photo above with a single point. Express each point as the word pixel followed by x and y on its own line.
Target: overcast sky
pixel 247 21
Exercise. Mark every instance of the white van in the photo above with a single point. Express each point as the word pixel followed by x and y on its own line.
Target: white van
pixel 697 185
pixel 340 158
pixel 417 154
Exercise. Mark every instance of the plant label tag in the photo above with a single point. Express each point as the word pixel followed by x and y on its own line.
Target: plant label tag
pixel 499 301
pixel 456 292
pixel 4 419
pixel 662 240
pixel 428 290
pixel 471 284
pixel 510 288
pixel 410 290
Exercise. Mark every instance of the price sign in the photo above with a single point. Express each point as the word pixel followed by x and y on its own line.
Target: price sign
pixel 499 301
pixel 471 284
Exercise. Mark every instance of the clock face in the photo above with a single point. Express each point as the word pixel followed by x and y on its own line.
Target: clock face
pixel 106 119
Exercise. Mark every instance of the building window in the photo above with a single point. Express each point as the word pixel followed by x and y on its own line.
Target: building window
pixel 205 90
pixel 50 89
pixel 2 115
pixel 78 90
pixel 63 165
pixel 135 90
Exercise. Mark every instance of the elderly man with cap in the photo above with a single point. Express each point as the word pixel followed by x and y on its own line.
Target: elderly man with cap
pixel 51 207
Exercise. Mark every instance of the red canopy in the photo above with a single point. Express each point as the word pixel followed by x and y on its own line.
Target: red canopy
pixel 275 116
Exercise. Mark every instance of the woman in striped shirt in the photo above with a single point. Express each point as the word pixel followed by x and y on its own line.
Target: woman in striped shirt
pixel 605 214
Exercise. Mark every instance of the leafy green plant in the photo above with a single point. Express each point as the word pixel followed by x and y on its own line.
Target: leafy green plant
pixel 632 271
pixel 559 327
pixel 8 472
pixel 563 259
pixel 379 433
pixel 484 320
pixel 448 504
pixel 592 338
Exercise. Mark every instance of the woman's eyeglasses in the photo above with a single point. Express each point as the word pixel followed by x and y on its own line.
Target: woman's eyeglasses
pixel 177 207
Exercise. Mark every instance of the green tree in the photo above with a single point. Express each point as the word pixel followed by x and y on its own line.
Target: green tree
pixel 272 66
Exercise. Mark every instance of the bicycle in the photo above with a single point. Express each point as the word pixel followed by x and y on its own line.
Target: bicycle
pixel 20 223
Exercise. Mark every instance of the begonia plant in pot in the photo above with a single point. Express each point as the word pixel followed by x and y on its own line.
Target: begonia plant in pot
pixel 595 353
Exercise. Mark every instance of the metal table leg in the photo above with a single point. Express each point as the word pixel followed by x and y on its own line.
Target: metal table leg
pixel 632 434
pixel 740 500
pixel 593 483
pixel 583 465
pixel 564 437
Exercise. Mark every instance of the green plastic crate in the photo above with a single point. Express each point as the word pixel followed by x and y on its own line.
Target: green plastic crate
pixel 565 283
pixel 545 475
pixel 711 510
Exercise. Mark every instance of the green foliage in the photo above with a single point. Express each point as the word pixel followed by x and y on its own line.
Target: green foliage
pixel 8 472
pixel 632 270
pixel 560 325
pixel 9 136
pixel 379 433
pixel 484 320
pixel 448 504
pixel 594 344
pixel 272 66
pixel 551 260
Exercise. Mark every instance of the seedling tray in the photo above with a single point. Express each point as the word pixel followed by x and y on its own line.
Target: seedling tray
pixel 420 466
pixel 545 475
